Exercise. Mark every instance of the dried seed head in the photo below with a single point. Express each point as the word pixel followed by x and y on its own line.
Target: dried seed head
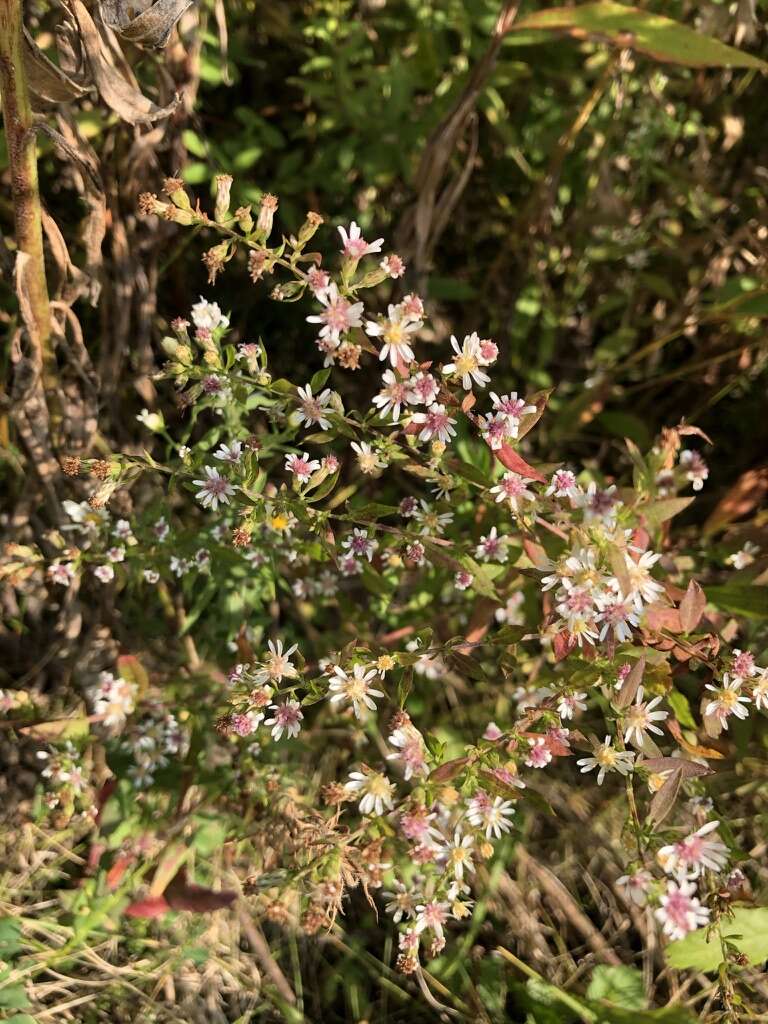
pixel 71 465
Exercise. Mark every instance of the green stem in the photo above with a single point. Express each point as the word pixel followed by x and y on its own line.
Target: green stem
pixel 584 1012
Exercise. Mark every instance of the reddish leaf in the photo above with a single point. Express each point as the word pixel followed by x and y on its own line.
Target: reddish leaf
pixel 449 770
pixel 692 607
pixel 118 869
pixel 184 895
pixel 659 616
pixel 508 457
pixel 536 553
pixel 152 906
pixel 563 644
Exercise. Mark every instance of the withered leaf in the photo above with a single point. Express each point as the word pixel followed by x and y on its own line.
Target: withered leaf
pixel 152 27
pixel 692 607
pixel 116 91
pixel 630 685
pixel 664 800
pixel 449 770
pixel 689 769
pixel 47 82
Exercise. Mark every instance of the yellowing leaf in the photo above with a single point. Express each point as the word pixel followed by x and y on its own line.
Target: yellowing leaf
pixel 654 35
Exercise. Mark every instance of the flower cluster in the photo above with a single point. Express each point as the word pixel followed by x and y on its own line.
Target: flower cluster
pixel 354 562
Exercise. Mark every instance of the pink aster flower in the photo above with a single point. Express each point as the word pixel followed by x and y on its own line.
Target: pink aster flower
pixel 680 911
pixel 435 422
pixel 354 245
pixel 286 718
pixel 512 489
pixel 690 856
pixel 539 754
pixel 301 466
pixel 338 316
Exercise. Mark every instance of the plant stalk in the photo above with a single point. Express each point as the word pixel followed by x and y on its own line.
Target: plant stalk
pixel 22 157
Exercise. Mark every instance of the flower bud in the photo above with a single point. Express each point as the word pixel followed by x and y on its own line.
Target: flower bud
pixel 150 204
pixel 174 189
pixel 373 278
pixel 223 189
pixel 244 219
pixel 309 227
pixel 266 215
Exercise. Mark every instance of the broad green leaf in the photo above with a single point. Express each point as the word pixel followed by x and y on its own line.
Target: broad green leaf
pixel 654 35
pixel 658 512
pixel 10 937
pixel 740 599
pixel 679 704
pixel 696 953
pixel 620 985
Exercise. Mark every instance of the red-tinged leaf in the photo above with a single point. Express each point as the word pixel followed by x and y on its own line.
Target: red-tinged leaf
pixel 152 906
pixel 169 867
pixel 563 644
pixel 184 895
pixel 118 869
pixel 640 538
pixel 449 770
pixel 630 685
pixel 664 800
pixel 692 607
pixel 103 795
pixel 508 457
pixel 536 553
pixel 480 622
pixel 659 617
pixel 94 856
pixel 529 421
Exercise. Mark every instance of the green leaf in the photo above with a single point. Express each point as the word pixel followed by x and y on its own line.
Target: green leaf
pixel 10 937
pixel 209 837
pixel 740 599
pixel 652 34
pixel 658 512
pixel 679 704
pixel 750 924
pixel 620 985
pixel 319 379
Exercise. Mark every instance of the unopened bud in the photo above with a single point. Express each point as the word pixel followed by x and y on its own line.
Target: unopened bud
pixel 244 219
pixel 174 189
pixel 309 227
pixel 266 215
pixel 373 278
